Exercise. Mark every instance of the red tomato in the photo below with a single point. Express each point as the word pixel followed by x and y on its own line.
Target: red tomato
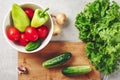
pixel 31 33
pixel 43 31
pixel 23 40
pixel 13 34
pixel 29 12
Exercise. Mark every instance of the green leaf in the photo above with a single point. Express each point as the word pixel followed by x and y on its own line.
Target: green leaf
pixel 99 27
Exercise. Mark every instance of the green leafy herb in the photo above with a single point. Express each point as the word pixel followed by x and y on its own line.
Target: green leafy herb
pixel 99 26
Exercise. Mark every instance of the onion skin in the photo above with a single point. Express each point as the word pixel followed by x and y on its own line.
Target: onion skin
pixel 60 18
pixel 57 30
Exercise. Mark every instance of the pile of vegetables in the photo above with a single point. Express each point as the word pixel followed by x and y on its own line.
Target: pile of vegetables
pixel 29 27
pixel 99 26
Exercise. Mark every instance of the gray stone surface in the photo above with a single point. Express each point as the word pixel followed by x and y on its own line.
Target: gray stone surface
pixel 8 56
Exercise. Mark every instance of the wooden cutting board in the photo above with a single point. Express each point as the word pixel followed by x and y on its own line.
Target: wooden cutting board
pixel 37 72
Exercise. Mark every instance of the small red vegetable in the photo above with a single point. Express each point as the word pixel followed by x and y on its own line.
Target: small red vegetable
pixel 23 40
pixel 29 12
pixel 13 34
pixel 31 33
pixel 43 31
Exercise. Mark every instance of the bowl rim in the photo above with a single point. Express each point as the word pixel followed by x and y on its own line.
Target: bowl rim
pixel 47 40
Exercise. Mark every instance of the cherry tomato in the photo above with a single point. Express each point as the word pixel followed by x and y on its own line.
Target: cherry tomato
pixel 42 31
pixel 23 40
pixel 13 34
pixel 31 33
pixel 29 12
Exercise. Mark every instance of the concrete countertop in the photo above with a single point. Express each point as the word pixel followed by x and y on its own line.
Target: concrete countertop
pixel 8 56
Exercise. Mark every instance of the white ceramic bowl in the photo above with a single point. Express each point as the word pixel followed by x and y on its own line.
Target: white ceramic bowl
pixel 8 23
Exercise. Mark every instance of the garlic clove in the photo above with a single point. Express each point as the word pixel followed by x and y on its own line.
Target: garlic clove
pixel 22 70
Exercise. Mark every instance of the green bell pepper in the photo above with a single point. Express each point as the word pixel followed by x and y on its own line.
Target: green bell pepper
pixel 20 19
pixel 40 17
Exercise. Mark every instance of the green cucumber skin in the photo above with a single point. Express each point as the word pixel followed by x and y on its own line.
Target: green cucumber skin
pixel 33 45
pixel 76 70
pixel 57 61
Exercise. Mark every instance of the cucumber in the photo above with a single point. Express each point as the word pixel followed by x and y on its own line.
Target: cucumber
pixel 76 70
pixel 33 45
pixel 57 61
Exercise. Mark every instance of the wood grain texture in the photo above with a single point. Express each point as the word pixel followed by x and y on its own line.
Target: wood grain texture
pixel 34 62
